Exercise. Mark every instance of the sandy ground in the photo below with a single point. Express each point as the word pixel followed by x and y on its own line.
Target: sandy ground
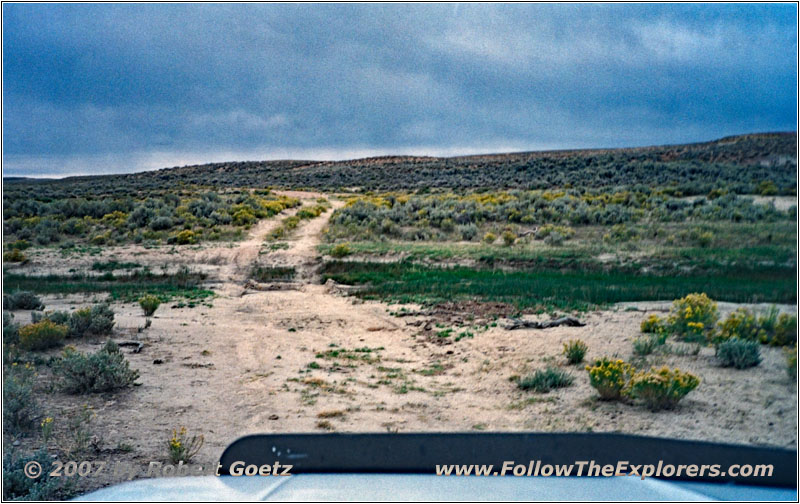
pixel 242 367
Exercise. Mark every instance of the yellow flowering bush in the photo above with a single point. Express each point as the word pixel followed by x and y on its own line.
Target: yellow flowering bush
pixel 15 255
pixel 770 329
pixel 653 324
pixel 693 317
pixel 186 237
pixel 42 335
pixel 740 324
pixel 610 377
pixel 662 388
pixel 182 447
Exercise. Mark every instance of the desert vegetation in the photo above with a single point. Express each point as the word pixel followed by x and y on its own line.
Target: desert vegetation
pixel 646 290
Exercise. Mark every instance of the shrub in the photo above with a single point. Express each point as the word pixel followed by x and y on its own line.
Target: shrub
pixel 771 329
pixel 244 217
pixel 785 332
pixel 546 380
pixel 161 223
pixel 103 371
pixel 549 229
pixel 42 335
pixel 741 324
pixel 19 245
pixel 186 237
pixel 18 486
pixel 95 321
pixel 610 378
pixel 653 324
pixel 693 317
pixel 705 239
pixel 22 300
pixel 310 212
pixel 555 239
pixel 489 238
pixel 468 232
pixel 182 448
pixel 739 353
pixel 149 304
pixel 791 360
pixel 10 329
pixel 508 238
pixel 575 350
pixel 767 188
pixel 15 255
pixel 19 405
pixel 662 388
pixel 340 250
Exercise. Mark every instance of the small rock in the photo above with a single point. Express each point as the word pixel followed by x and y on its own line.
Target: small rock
pixel 273 417
pixel 158 361
pixel 16 443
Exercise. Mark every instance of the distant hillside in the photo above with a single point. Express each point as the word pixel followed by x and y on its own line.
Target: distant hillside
pixel 738 163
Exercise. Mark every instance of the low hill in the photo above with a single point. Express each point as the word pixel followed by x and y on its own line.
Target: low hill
pixel 737 163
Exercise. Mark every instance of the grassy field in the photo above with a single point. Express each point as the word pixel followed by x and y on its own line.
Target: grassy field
pixel 126 288
pixel 547 288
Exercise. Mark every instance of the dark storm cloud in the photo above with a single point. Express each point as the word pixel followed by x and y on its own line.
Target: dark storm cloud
pixel 101 87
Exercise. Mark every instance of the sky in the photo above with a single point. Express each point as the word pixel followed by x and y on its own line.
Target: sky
pixel 111 88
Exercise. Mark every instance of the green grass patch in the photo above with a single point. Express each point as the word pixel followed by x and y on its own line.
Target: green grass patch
pixel 272 274
pixel 565 289
pixel 126 288
pixel 114 265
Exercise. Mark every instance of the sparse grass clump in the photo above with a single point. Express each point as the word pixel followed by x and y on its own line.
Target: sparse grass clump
pixel 149 304
pixel 22 300
pixel 545 380
pixel 42 335
pixel 575 350
pixel 739 353
pixel 103 371
pixel 610 377
pixel 662 388
pixel 182 448
pixel 790 353
pixel 645 345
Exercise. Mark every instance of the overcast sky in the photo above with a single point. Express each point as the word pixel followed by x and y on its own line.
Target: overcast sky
pixel 102 88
